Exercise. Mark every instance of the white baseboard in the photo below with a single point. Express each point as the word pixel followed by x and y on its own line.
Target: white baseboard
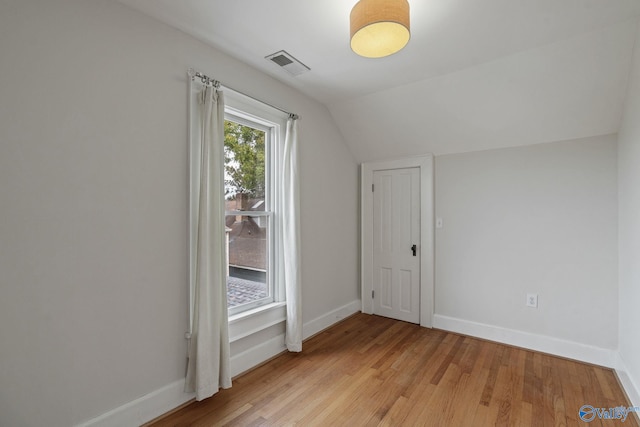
pixel 172 395
pixel 256 355
pixel 558 347
pixel 545 344
pixel 145 408
pixel 630 386
pixel 321 323
pixel 252 357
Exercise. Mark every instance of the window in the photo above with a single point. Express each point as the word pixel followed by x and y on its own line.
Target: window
pixel 262 268
pixel 250 144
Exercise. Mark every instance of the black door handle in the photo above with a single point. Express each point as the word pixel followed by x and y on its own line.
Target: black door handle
pixel 413 249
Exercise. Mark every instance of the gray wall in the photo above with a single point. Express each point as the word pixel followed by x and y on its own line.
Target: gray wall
pixel 539 219
pixel 629 232
pixel 93 184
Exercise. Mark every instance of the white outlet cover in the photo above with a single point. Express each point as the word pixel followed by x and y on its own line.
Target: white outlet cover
pixel 532 300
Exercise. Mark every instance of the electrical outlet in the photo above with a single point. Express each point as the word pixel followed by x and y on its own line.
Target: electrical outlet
pixel 532 300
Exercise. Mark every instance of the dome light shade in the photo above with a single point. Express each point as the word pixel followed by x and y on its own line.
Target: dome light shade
pixel 379 27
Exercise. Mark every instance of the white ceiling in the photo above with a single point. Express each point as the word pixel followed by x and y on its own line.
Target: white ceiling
pixel 475 74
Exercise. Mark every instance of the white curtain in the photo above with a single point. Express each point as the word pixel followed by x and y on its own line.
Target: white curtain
pixel 291 237
pixel 208 368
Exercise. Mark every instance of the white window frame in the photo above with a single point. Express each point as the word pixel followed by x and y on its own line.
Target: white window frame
pixel 271 133
pixel 247 111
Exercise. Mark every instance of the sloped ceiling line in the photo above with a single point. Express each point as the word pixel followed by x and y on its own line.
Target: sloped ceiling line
pixel 475 75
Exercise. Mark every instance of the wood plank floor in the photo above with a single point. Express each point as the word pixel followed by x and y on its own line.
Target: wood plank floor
pixel 370 371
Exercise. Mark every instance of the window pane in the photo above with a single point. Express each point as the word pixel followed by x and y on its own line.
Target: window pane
pixel 244 167
pixel 248 259
pixel 248 235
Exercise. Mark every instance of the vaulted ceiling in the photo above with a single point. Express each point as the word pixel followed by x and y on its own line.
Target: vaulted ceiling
pixel 475 75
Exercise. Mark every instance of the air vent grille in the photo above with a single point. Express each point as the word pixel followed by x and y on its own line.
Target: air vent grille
pixel 287 62
pixel 281 60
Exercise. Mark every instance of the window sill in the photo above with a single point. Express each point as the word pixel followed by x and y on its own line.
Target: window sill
pixel 249 322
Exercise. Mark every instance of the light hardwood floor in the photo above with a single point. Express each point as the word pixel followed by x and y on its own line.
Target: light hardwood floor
pixel 370 371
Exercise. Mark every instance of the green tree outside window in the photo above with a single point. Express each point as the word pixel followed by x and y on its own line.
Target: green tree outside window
pixel 244 152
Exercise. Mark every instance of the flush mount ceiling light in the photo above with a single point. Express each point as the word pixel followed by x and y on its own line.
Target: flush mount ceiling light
pixel 379 27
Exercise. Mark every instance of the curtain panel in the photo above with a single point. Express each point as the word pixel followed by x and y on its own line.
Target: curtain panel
pixel 208 367
pixel 291 237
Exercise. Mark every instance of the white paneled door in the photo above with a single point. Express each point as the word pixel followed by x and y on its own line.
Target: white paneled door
pixel 396 244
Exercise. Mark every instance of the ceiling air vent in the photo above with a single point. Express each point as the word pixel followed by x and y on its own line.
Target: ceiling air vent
pixel 288 63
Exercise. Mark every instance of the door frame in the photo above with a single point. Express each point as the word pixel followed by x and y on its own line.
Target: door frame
pixel 426 244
